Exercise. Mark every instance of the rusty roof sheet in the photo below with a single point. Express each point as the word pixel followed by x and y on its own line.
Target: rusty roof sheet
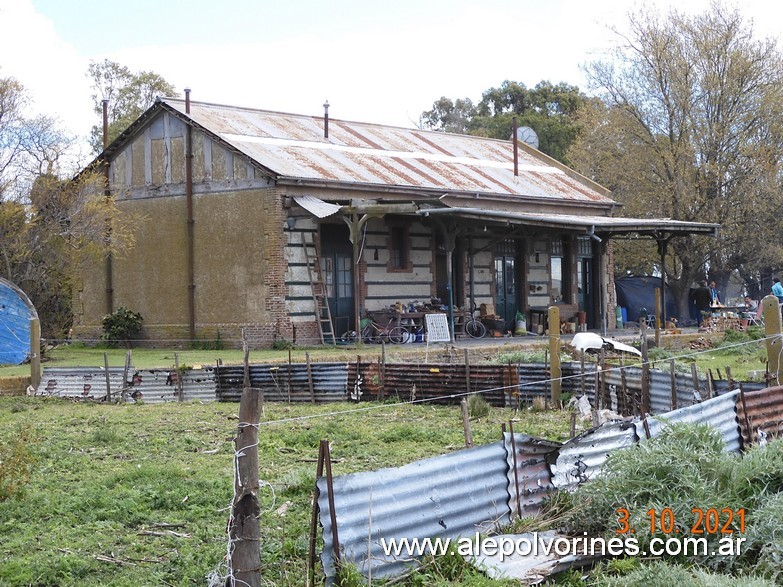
pixel 760 410
pixel 293 146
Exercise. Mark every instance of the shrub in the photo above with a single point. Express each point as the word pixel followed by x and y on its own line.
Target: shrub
pixel 121 325
pixel 15 463
pixel 477 406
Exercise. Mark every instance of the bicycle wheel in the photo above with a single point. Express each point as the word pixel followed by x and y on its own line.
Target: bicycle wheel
pixel 398 335
pixel 475 329
pixel 368 334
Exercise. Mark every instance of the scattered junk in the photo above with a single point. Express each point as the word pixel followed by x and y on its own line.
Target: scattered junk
pixel 591 342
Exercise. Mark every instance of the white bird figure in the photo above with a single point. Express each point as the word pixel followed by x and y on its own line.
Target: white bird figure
pixel 589 341
pixel 762 437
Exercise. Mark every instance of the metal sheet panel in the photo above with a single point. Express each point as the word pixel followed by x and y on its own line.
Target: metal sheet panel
pixel 279 383
pixel 147 386
pixel 448 496
pixel 581 458
pixel 16 311
pixel 760 410
pixel 317 207
pixel 82 382
pixel 532 483
pixel 719 412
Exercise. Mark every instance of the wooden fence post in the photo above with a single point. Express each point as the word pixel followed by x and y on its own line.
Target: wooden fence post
pixel 180 389
pixel 772 327
pixel 244 524
pixel 554 354
pixel 35 353
pixel 310 378
pixel 463 406
pixel 108 381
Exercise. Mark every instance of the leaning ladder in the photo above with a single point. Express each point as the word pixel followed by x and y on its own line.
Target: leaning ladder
pixel 323 314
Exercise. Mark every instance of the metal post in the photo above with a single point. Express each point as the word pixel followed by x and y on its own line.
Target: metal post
pixel 108 381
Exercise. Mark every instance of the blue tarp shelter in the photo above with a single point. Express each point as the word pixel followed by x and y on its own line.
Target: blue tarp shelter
pixel 16 311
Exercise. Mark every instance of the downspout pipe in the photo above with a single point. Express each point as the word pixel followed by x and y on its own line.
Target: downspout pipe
pixel 109 267
pixel 190 222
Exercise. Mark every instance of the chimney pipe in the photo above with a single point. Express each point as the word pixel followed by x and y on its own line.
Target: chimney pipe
pixel 187 100
pixel 105 123
pixel 516 147
pixel 326 119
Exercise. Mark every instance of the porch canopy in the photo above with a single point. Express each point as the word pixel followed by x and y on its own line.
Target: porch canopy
pixel 599 228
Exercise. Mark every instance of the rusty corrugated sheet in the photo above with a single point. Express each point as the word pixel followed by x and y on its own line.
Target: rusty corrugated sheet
pixel 762 409
pixel 719 412
pixel 293 146
pixel 451 495
pixel 660 390
pixel 278 382
pixel 582 458
pixel 436 382
pixel 533 480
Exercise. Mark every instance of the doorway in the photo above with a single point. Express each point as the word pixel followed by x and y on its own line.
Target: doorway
pixel 585 267
pixel 506 281
pixel 337 273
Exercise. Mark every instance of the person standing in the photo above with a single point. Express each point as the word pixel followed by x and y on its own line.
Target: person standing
pixel 702 299
pixel 714 297
pixel 777 289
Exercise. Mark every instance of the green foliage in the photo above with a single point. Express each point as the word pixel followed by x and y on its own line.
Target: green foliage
pixel 16 461
pixel 215 344
pixel 129 94
pixel 478 407
pixel 121 325
pixel 107 475
pixel 548 109
pixel 282 345
pixel 664 574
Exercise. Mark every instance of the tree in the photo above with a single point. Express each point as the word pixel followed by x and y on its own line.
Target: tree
pixel 548 109
pixel 129 95
pixel 690 130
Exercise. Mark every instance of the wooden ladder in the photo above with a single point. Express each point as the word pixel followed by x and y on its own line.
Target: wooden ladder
pixel 323 315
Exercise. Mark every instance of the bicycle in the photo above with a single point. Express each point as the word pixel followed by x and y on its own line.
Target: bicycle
pixel 373 333
pixel 474 327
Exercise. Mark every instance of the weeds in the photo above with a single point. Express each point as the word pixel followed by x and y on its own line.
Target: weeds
pixel 16 460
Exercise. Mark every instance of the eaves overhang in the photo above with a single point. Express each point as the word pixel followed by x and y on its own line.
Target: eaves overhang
pixel 602 226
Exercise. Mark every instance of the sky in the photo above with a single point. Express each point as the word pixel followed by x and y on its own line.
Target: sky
pixel 379 62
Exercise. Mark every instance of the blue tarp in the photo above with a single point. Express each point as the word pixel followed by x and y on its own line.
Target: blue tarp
pixel 637 294
pixel 16 311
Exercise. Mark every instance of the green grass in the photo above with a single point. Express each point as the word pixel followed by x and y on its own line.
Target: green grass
pixel 105 479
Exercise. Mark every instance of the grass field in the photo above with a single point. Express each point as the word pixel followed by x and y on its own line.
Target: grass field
pixel 137 495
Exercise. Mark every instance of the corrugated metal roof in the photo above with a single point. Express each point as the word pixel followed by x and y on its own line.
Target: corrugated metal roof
pixel 452 495
pixel 293 146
